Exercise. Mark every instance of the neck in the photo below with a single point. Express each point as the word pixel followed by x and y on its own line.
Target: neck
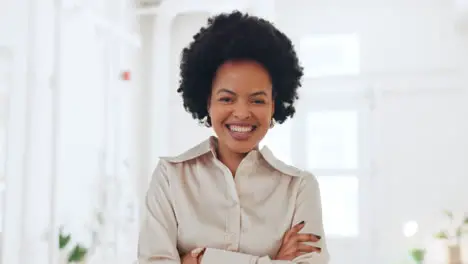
pixel 229 158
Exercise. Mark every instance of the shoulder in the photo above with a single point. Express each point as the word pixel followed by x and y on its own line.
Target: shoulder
pixel 194 152
pixel 169 165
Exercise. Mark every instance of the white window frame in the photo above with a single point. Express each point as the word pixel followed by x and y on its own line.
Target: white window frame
pixel 314 47
pixel 328 94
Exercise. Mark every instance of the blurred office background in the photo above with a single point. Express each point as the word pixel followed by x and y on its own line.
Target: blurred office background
pixel 88 102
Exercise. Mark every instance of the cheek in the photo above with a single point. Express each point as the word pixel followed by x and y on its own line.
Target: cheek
pixel 264 116
pixel 218 115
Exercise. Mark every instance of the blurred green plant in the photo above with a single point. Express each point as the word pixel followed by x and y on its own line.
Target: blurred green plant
pixel 418 254
pixel 64 239
pixel 77 253
pixel 453 235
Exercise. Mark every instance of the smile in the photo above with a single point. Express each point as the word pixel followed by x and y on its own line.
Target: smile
pixel 241 128
pixel 241 131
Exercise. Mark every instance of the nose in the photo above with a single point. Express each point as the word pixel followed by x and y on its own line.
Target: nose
pixel 242 111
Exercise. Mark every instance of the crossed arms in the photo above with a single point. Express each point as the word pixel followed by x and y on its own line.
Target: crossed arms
pixel 158 235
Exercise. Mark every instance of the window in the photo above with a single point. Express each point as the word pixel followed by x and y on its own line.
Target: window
pixel 334 129
pixel 332 153
pixel 330 55
pixel 332 140
pixel 340 204
pixel 329 136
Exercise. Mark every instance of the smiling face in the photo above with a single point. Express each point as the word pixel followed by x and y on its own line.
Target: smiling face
pixel 241 105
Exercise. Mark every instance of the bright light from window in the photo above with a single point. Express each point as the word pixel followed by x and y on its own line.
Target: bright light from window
pixel 332 140
pixel 330 55
pixel 410 228
pixel 340 203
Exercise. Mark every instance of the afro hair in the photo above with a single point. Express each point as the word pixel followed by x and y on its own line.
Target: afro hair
pixel 238 36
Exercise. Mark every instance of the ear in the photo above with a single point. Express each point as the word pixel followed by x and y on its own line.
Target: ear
pixel 208 104
pixel 272 108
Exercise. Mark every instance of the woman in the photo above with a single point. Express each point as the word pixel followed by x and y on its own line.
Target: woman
pixel 225 201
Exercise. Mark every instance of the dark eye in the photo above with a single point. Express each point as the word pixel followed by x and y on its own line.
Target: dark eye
pixel 259 101
pixel 225 99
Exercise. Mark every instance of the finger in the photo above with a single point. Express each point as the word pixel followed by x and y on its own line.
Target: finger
pixel 290 248
pixel 297 227
pixel 294 230
pixel 290 251
pixel 307 238
pixel 298 254
pixel 291 243
pixel 293 246
pixel 307 248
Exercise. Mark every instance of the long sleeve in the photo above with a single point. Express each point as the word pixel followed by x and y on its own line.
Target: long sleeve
pixel 158 233
pixel 218 256
pixel 309 209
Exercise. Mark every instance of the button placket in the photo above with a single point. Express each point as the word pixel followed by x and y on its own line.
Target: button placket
pixel 231 236
pixel 247 170
pixel 235 185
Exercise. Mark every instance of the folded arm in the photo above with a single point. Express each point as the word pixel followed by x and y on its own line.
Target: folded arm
pixel 158 234
pixel 308 209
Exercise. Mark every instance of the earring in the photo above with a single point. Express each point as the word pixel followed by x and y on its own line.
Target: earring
pixel 272 123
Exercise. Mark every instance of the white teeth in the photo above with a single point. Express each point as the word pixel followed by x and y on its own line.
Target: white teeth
pixel 242 129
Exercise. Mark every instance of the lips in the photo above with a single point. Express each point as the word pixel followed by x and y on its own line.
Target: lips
pixel 241 131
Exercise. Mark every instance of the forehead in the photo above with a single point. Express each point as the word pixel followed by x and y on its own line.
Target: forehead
pixel 242 76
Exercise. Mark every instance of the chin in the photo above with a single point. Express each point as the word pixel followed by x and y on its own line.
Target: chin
pixel 240 139
pixel 241 148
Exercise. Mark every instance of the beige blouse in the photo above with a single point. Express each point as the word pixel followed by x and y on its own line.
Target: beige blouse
pixel 194 201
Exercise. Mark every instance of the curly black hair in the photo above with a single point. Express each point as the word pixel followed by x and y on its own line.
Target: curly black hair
pixel 238 36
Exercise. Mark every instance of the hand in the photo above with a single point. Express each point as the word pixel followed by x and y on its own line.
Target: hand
pixel 193 257
pixel 293 244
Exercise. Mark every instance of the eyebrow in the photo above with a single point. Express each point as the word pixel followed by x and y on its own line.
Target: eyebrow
pixel 259 93
pixel 233 93
pixel 225 91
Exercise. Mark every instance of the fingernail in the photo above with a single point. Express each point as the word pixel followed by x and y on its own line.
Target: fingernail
pixel 196 252
pixel 319 237
pixel 301 223
pixel 319 250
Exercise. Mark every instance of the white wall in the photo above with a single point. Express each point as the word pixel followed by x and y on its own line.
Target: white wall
pixel 14 39
pixel 27 205
pixel 99 155
pixel 90 127
pixel 183 28
pixel 414 60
